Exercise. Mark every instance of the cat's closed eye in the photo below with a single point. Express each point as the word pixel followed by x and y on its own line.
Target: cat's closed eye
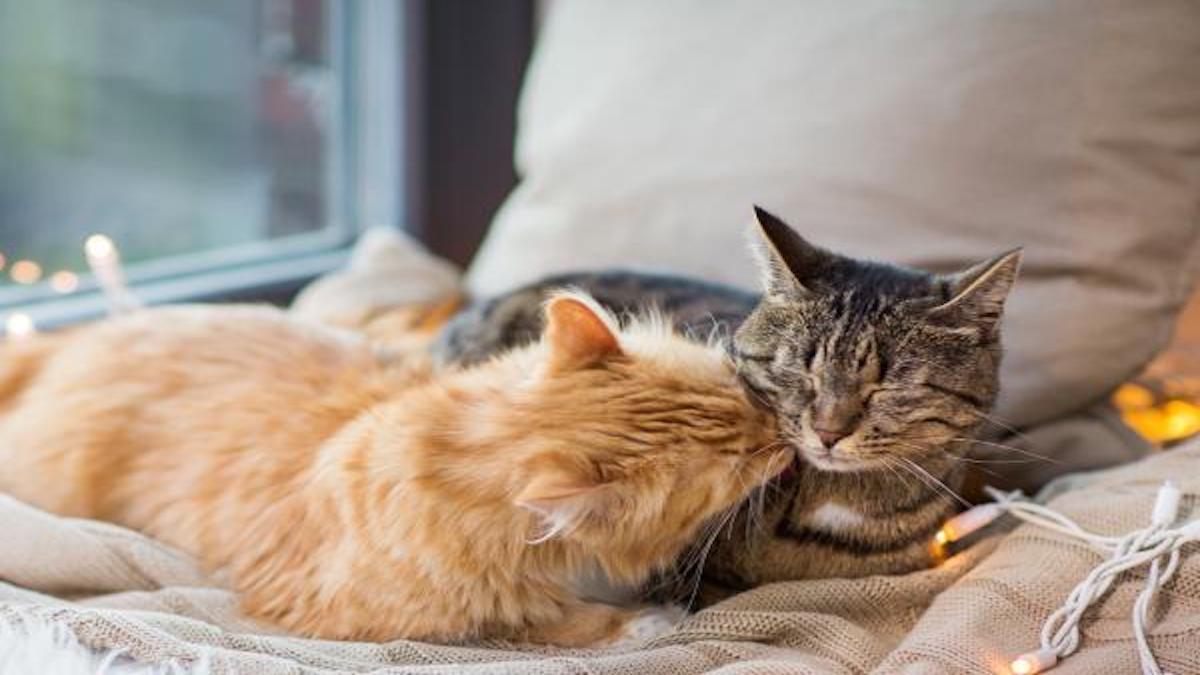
pixel 760 358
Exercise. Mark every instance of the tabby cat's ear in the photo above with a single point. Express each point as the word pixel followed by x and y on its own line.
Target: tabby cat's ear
pixel 579 333
pixel 977 294
pixel 790 265
pixel 562 499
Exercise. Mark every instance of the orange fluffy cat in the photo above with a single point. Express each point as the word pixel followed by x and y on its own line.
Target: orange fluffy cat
pixel 352 497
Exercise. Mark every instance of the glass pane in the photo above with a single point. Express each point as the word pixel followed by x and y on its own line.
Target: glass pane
pixel 173 126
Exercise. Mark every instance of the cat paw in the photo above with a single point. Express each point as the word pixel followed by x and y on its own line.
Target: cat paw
pixel 649 624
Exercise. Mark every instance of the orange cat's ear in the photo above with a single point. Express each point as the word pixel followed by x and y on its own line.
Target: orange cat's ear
pixel 579 333
pixel 562 499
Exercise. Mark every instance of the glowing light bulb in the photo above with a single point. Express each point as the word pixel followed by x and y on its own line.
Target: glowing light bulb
pixel 19 325
pixel 64 281
pixel 99 246
pixel 105 261
pixel 25 272
pixel 1182 419
pixel 1130 396
pixel 971 520
pixel 1022 666
pixel 1033 662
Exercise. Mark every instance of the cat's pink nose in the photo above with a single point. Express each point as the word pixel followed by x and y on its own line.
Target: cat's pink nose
pixel 829 438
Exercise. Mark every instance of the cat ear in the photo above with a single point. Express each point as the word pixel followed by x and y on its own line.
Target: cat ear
pixel 789 265
pixel 562 499
pixel 579 333
pixel 977 294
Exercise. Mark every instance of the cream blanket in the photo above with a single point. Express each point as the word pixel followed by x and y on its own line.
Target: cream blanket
pixel 118 589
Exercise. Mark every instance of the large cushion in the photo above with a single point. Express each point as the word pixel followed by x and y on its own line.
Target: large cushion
pixel 932 133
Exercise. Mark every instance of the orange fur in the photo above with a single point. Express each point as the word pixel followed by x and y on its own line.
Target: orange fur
pixel 350 496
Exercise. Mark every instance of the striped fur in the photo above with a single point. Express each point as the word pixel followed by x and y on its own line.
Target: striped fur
pixel 897 366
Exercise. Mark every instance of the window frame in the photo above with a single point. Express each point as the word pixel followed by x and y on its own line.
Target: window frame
pixel 365 182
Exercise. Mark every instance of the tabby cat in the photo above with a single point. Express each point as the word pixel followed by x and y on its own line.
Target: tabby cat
pixel 354 496
pixel 879 374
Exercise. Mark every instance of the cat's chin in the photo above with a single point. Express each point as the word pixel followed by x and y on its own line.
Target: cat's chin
pixel 824 461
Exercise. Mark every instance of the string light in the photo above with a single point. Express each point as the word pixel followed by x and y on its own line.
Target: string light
pixel 19 325
pixel 105 262
pixel 1034 662
pixel 968 522
pixel 64 281
pixel 1159 546
pixel 98 247
pixel 1162 417
pixel 25 272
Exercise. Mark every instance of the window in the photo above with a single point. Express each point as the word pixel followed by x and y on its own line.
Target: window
pixel 216 142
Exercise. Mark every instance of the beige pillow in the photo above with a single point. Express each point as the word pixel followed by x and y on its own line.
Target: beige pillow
pixel 928 133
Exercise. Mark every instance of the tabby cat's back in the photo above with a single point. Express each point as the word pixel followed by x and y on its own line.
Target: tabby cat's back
pixel 490 326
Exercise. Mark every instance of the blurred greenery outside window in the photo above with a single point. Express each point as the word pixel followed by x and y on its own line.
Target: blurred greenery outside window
pixel 218 143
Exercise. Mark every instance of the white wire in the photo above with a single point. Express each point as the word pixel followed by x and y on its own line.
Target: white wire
pixel 1155 545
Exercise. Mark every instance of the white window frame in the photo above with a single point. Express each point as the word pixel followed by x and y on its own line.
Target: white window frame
pixel 365 185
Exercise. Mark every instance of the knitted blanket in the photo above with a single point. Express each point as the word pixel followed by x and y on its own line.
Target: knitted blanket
pixel 114 588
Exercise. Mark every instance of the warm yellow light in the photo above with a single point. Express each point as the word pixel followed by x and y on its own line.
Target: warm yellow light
pixel 25 272
pixel 98 246
pixel 1129 396
pixel 1183 418
pixel 1172 420
pixel 64 281
pixel 1034 662
pixel 1022 667
pixel 19 325
pixel 968 522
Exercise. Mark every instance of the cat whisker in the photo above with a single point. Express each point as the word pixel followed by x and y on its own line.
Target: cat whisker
pixel 975 460
pixel 1010 448
pixel 716 333
pixel 887 464
pixel 702 557
pixel 931 481
pixel 690 568
pixel 992 418
pixel 774 445
pixel 767 481
pixel 685 578
pixel 957 459
pixel 679 574
pixel 751 521
pixel 1034 456
pixel 745 505
pixel 931 449
pixel 756 496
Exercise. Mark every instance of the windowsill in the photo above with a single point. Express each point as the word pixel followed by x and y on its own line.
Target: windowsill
pixel 257 281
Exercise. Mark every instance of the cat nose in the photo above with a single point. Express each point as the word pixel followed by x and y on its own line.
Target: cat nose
pixel 830 437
